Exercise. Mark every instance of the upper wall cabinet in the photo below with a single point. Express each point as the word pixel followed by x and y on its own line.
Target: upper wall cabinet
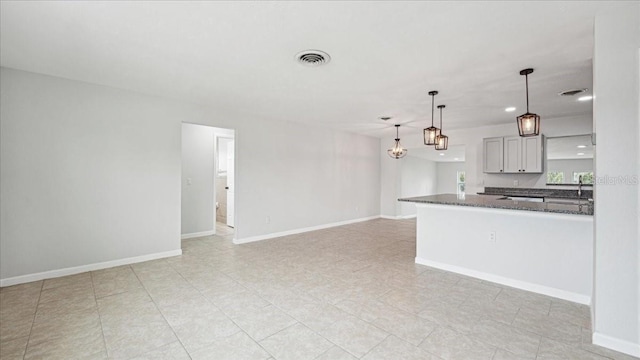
pixel 513 154
pixel 493 155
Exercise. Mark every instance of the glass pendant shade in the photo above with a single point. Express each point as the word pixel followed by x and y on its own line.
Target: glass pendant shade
pixel 397 151
pixel 431 132
pixel 528 123
pixel 442 141
pixel 430 135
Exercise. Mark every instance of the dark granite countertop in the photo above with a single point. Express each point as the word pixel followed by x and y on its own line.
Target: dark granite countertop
pixel 540 192
pixel 492 201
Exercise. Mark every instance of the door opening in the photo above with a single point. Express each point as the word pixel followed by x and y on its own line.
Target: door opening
pixel 225 187
pixel 208 155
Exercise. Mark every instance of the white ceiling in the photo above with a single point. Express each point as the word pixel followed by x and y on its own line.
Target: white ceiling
pixel 454 153
pixel 386 56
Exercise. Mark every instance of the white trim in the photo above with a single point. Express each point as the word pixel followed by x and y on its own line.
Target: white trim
pixel 198 234
pixel 84 268
pixel 399 217
pixel 302 230
pixel 616 344
pixel 540 289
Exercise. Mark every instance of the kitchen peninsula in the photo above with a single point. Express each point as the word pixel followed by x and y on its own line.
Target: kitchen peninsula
pixel 545 247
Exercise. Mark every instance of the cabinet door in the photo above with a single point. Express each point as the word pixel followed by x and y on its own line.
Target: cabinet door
pixel 532 154
pixel 493 151
pixel 512 154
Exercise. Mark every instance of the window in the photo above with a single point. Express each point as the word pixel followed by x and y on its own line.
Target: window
pixel 587 177
pixel 460 182
pixel 555 177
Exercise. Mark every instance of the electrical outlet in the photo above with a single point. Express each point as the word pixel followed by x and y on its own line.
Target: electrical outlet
pixel 267 220
pixel 516 182
pixel 492 236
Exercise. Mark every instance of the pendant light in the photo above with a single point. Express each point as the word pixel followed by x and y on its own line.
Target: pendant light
pixel 442 141
pixel 397 151
pixel 528 123
pixel 431 132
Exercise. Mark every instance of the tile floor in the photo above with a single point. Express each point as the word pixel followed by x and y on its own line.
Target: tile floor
pixel 223 229
pixel 342 293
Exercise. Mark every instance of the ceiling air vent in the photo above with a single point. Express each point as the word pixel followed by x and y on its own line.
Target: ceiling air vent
pixel 313 58
pixel 572 92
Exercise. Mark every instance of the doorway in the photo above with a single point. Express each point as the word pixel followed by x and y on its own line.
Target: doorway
pixel 225 185
pixel 208 164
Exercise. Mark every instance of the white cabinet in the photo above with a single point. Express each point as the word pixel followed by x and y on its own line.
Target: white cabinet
pixel 513 154
pixel 532 154
pixel 493 153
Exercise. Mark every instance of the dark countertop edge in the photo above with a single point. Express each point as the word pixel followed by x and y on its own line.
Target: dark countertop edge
pixel 537 192
pixel 571 184
pixel 534 195
pixel 521 195
pixel 498 207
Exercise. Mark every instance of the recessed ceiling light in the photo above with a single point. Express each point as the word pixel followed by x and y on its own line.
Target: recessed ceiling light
pixel 456 159
pixel 581 146
pixel 510 109
pixel 580 154
pixel 585 98
pixel 441 154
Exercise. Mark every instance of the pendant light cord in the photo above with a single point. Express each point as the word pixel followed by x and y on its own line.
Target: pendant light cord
pixel 440 120
pixel 526 79
pixel 432 108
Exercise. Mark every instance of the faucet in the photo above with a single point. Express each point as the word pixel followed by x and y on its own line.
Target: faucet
pixel 579 186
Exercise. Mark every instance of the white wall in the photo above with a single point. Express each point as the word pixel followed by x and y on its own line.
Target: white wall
pixel 418 177
pixel 89 174
pixel 92 174
pixel 302 176
pixel 617 233
pixel 448 176
pixel 390 176
pixel 198 158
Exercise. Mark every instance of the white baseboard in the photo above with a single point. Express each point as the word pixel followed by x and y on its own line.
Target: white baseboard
pixel 523 285
pixel 616 344
pixel 84 268
pixel 198 234
pixel 399 217
pixel 302 230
